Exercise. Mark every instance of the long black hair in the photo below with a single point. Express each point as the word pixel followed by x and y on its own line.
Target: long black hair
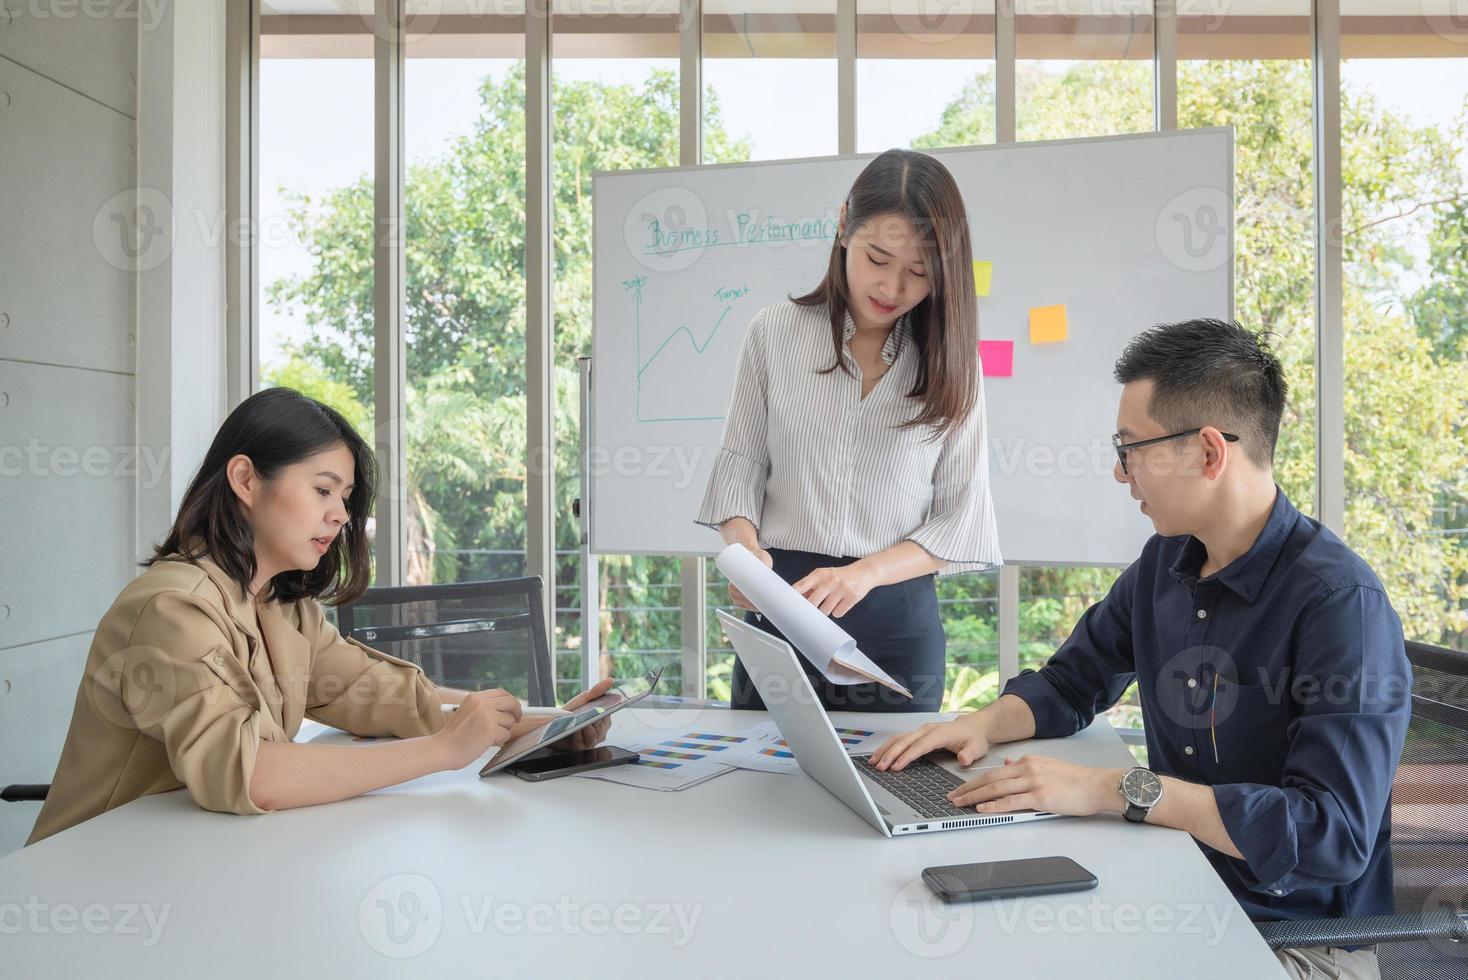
pixel 945 325
pixel 275 428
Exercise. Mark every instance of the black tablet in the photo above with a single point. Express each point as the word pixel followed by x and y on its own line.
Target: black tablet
pixel 559 727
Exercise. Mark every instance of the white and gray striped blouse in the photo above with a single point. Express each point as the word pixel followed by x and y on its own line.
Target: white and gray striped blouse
pixel 815 467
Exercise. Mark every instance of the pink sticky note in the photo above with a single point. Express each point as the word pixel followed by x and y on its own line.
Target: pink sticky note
pixel 997 356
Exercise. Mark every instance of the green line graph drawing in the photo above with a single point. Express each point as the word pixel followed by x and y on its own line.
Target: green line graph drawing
pixel 669 378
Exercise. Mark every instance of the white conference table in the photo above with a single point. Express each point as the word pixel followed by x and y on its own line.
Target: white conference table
pixel 751 874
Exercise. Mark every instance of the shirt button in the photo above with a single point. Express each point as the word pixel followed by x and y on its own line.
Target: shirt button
pixel 219 659
pixel 1202 614
pixel 1188 749
pixel 1192 682
pixel 1279 891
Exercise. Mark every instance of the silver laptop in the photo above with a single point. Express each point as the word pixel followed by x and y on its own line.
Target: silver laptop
pixel 913 801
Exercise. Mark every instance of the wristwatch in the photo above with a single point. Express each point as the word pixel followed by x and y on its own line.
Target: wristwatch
pixel 1142 789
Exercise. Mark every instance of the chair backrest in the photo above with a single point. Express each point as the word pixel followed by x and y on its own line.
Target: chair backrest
pixel 468 635
pixel 1430 811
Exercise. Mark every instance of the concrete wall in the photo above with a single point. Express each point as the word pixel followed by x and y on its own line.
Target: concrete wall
pixel 111 327
pixel 68 340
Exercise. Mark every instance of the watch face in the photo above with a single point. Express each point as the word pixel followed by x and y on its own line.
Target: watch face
pixel 1141 787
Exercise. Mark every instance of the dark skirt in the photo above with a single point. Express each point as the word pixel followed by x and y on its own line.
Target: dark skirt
pixel 896 626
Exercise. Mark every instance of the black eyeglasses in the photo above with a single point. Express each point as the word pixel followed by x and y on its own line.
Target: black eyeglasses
pixel 1122 447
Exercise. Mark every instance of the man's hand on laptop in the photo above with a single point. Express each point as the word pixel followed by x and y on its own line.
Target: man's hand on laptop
pixel 1037 782
pixel 965 736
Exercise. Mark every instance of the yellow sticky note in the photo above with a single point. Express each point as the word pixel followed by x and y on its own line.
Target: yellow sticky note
pixel 983 273
pixel 1047 324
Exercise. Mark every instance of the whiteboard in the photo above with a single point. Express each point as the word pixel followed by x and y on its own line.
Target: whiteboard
pixel 1124 231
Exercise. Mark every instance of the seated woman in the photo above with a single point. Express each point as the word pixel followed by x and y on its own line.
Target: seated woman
pixel 200 673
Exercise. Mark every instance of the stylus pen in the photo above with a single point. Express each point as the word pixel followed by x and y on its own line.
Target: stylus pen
pixel 526 711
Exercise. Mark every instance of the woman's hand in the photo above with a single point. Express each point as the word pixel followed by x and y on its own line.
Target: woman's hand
pixel 740 599
pixel 592 735
pixel 835 590
pixel 484 719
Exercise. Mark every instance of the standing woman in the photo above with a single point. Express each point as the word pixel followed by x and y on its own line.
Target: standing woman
pixel 855 446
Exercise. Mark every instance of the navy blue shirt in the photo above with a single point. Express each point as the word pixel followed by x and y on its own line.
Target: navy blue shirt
pixel 1281 681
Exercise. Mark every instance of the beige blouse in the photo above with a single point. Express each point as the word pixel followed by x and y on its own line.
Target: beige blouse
pixel 183 681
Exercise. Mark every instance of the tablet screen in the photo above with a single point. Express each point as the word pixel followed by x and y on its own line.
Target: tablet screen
pixel 561 726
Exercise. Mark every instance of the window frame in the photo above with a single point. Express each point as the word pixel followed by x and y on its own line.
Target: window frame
pixel 242 272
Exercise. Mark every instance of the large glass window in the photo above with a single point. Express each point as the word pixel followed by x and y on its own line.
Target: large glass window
pixel 925 78
pixel 464 257
pixel 770 70
pixel 1404 175
pixel 1253 73
pixel 924 73
pixel 1082 68
pixel 614 82
pixel 314 237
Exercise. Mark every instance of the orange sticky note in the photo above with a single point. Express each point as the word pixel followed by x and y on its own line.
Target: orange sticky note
pixel 1047 324
pixel 983 273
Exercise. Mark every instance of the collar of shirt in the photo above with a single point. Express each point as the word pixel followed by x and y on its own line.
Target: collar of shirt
pixel 240 609
pixel 287 651
pixel 896 339
pixel 1245 575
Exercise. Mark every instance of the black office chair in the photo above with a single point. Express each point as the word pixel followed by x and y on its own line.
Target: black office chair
pixel 1428 937
pixel 467 635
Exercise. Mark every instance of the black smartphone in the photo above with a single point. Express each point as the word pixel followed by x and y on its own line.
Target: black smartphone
pixel 546 764
pixel 1006 879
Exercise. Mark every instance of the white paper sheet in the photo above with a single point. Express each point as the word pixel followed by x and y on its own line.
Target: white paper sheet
pixel 765 750
pixel 671 763
pixel 828 647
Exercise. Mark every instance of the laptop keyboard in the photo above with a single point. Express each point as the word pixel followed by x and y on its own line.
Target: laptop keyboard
pixel 923 785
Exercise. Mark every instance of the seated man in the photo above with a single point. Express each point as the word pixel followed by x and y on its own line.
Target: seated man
pixel 1270 664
